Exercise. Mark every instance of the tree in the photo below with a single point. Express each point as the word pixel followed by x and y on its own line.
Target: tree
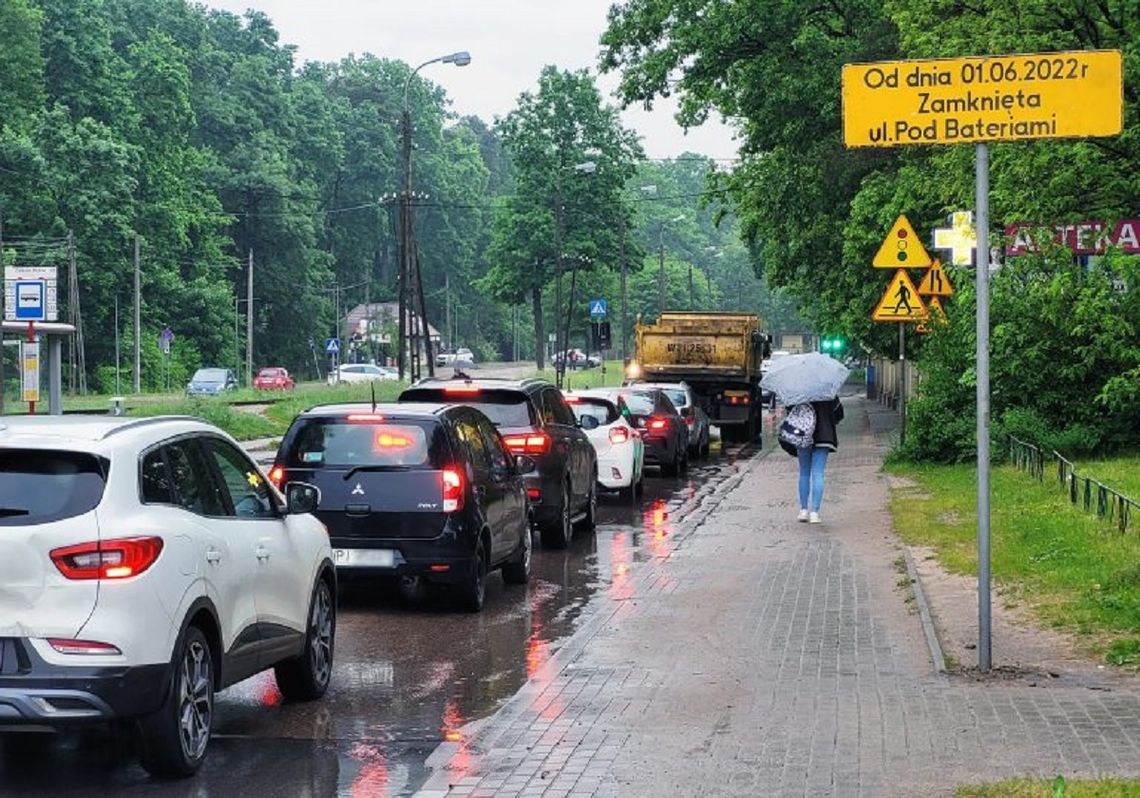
pixel 571 159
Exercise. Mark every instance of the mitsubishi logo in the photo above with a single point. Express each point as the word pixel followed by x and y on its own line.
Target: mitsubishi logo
pixel 358 490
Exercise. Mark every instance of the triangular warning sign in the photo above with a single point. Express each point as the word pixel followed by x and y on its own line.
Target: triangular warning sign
pixel 937 316
pixel 900 302
pixel 935 282
pixel 901 249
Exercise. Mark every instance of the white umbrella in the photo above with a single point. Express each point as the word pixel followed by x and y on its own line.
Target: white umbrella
pixel 810 377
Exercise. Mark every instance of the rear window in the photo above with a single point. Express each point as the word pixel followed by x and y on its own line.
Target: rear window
pixel 677 397
pixel 604 411
pixel 40 486
pixel 269 373
pixel 504 408
pixel 340 442
pixel 640 404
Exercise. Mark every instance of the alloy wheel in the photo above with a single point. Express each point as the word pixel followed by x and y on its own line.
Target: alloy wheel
pixel 195 700
pixel 321 631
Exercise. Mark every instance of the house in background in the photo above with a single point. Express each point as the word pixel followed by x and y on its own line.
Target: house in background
pixel 372 329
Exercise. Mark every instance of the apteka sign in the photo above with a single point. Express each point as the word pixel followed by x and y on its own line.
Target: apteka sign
pixel 1093 237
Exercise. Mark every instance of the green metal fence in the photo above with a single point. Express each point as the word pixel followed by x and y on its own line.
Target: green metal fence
pixel 1093 494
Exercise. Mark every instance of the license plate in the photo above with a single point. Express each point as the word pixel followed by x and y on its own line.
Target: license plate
pixel 364 558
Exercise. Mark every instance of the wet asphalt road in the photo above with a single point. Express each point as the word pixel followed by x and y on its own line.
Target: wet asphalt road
pixel 409 673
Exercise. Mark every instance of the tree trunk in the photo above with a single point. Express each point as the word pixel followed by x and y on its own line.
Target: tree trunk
pixel 539 331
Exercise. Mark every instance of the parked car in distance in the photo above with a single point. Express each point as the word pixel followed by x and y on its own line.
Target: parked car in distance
pixel 696 419
pixel 577 359
pixel 146 563
pixel 361 372
pixel 461 357
pixel 273 378
pixel 535 421
pixel 211 382
pixel 665 433
pixel 423 490
pixel 618 445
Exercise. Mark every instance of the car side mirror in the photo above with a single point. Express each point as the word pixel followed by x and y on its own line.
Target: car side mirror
pixel 301 497
pixel 524 464
pixel 588 422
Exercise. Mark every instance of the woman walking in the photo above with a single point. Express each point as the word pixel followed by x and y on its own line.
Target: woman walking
pixel 813 458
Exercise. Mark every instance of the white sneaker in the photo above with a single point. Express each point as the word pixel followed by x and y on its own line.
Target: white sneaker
pixel 814 519
pixel 802 517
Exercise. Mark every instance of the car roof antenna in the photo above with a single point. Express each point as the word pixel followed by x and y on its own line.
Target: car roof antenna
pixel 372 385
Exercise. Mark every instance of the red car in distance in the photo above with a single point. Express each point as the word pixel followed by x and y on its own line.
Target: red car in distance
pixel 273 379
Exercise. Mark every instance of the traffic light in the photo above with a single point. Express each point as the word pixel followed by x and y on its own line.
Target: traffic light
pixel 832 345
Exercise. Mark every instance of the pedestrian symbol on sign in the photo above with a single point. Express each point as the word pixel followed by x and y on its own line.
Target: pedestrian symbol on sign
pixel 332 346
pixel 598 308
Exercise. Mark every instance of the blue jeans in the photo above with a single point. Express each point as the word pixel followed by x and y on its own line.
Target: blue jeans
pixel 812 462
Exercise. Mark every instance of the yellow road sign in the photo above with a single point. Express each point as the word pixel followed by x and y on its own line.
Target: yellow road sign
pixel 935 283
pixel 901 248
pixel 937 316
pixel 983 98
pixel 900 302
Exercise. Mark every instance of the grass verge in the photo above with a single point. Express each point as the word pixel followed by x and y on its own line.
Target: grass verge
pixel 589 378
pixel 1074 570
pixel 242 425
pixel 1054 788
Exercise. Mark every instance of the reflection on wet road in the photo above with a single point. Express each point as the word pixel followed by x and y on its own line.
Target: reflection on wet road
pixel 409 674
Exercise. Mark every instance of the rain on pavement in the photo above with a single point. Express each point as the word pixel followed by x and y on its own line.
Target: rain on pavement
pixel 409 673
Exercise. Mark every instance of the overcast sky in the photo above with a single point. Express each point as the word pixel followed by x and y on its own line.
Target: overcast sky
pixel 509 41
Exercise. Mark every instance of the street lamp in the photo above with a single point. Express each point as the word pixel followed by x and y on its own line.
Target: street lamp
pixel 407 260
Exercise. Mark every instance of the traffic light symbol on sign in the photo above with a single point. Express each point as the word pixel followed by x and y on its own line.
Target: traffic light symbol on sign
pixel 901 249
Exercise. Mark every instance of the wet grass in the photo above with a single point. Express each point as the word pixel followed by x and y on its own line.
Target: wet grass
pixel 242 425
pixel 589 378
pixel 1054 788
pixel 1075 571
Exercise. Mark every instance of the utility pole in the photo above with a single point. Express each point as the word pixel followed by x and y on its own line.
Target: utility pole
pixel 559 343
pixel 118 359
pixel 249 322
pixel 405 237
pixel 661 273
pixel 76 313
pixel 692 305
pixel 138 318
pixel 624 293
pixel 426 341
pixel 447 311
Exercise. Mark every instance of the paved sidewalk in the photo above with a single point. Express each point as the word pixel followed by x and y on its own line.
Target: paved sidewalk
pixel 753 655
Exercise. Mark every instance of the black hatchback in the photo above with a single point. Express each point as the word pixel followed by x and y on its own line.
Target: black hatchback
pixel 423 490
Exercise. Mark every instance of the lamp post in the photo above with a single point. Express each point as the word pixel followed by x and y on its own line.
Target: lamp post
pixel 408 265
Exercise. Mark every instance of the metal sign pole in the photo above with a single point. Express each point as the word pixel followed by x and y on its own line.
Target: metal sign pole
pixel 902 384
pixel 982 219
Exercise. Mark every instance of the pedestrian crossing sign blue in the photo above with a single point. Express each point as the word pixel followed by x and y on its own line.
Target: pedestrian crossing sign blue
pixel 598 308
pixel 332 346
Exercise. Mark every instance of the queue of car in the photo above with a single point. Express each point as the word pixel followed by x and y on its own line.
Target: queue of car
pixel 148 563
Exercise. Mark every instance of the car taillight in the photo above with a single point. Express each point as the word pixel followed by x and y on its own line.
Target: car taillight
pixel 276 476
pixel 364 418
pixel 107 559
pixel 658 423
pixel 619 434
pixel 452 490
pixel 65 646
pixel 535 443
pixel 738 400
pixel 461 389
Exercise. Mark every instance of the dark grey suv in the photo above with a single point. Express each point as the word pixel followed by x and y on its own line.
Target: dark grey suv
pixel 535 421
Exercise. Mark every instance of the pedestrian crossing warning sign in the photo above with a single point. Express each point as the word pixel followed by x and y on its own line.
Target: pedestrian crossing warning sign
pixel 900 302
pixel 901 249
pixel 935 282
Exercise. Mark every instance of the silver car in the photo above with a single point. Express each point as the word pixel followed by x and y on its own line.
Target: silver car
pixel 361 372
pixel 696 419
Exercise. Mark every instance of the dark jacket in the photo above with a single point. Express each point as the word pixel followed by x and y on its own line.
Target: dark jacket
pixel 827 415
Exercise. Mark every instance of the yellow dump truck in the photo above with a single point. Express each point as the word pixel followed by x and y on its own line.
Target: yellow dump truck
pixel 717 354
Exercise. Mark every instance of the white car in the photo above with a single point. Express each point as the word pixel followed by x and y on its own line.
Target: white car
pixel 463 357
pixel 144 565
pixel 361 372
pixel 621 452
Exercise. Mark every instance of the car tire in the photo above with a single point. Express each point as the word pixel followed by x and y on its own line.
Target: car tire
pixel 517 570
pixel 306 678
pixel 557 534
pixel 473 589
pixel 590 521
pixel 176 736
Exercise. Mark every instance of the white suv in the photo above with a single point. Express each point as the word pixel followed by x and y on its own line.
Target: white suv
pixel 145 564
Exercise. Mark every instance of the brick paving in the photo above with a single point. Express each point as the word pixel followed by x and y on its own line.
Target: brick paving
pixel 752 655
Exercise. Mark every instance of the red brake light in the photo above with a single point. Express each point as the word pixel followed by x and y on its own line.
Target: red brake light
pixel 364 418
pixel 276 475
pixel 619 434
pixel 658 423
pixel 572 400
pixel 107 559
pixel 535 443
pixel 65 646
pixel 452 490
pixel 461 389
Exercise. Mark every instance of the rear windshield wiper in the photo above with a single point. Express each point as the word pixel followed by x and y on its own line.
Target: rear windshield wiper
pixel 348 474
pixel 8 512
